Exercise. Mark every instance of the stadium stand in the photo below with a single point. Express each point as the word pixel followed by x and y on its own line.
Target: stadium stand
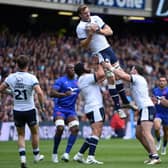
pixel 50 50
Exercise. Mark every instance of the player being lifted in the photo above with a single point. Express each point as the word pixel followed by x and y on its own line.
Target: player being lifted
pixel 92 32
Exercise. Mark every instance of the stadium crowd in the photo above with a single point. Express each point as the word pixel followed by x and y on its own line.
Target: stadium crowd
pixel 50 52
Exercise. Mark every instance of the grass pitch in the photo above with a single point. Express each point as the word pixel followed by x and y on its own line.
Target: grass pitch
pixel 115 153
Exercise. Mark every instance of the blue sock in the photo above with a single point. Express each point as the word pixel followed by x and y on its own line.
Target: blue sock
pixel 57 140
pixel 71 141
pixel 85 146
pixel 93 144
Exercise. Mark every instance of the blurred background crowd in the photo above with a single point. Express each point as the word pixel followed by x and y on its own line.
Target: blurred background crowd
pixel 50 52
pixel 50 41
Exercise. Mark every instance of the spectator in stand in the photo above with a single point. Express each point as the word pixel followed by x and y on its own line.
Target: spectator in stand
pixel 57 51
pixel 118 125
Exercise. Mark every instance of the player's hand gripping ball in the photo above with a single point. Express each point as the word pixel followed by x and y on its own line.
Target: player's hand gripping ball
pixel 92 26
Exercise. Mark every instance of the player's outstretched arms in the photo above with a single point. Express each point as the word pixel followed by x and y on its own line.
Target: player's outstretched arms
pixel 57 94
pixel 119 72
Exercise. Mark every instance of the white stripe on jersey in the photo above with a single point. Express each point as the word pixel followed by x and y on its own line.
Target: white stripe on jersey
pixel 21 84
pixel 98 42
pixel 90 91
pixel 140 91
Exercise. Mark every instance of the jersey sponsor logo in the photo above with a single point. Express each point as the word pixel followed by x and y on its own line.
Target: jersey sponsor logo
pixel 73 90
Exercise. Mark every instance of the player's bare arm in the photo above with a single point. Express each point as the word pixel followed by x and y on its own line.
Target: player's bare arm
pixel 100 75
pixel 55 93
pixel 163 101
pixel 40 95
pixel 85 43
pixel 106 30
pixel 117 71
pixel 4 88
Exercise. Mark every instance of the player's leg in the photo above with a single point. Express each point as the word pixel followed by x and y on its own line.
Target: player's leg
pixel 32 122
pixel 21 146
pixel 165 139
pixel 109 56
pixel 147 115
pixel 119 84
pixel 142 140
pixel 79 156
pixel 59 122
pixel 146 127
pixel 73 125
pixel 96 118
pixel 93 141
pixel 121 91
pixel 35 143
pixel 157 127
pixel 20 125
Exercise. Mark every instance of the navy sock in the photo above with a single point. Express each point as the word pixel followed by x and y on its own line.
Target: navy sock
pixel 57 140
pixel 114 94
pixel 36 151
pixel 155 156
pixel 93 144
pixel 22 153
pixel 71 141
pixel 164 143
pixel 158 138
pixel 85 146
pixel 121 90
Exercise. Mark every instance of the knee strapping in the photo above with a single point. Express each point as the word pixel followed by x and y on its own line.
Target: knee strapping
pixel 73 123
pixel 59 123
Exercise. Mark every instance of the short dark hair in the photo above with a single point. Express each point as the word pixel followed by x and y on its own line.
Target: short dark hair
pixel 81 8
pixel 22 61
pixel 79 69
pixel 140 69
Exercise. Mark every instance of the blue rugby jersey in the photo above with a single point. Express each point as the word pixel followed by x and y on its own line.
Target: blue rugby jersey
pixel 67 103
pixel 161 92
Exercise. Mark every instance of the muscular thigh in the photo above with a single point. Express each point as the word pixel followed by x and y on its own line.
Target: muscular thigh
pixel 108 54
pixel 64 114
